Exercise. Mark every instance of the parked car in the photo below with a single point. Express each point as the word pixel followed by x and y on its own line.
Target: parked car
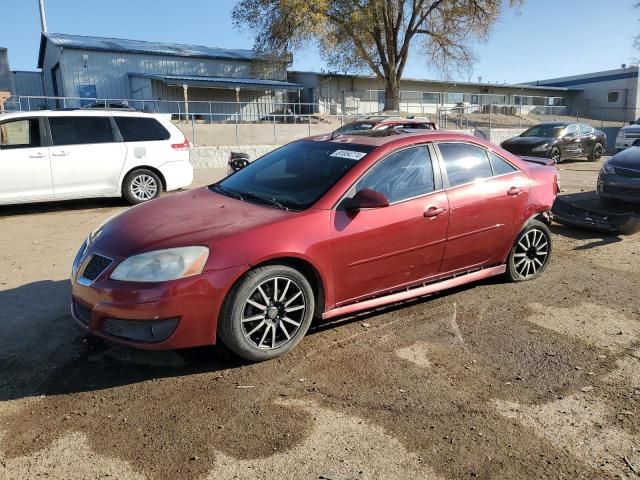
pixel 321 227
pixel 619 178
pixel 559 141
pixel 381 122
pixel 60 155
pixel 109 106
pixel 628 136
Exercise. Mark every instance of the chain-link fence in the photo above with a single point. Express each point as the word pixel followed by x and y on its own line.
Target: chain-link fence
pixel 274 123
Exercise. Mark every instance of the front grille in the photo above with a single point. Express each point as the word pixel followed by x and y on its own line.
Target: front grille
pixel 83 313
pixel 632 135
pixel 627 172
pixel 95 266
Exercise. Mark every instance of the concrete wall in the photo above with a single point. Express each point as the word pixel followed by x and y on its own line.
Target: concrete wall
pixel 217 157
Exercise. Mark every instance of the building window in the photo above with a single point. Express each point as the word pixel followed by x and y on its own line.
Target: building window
pixel 455 97
pixel 431 97
pixel 613 97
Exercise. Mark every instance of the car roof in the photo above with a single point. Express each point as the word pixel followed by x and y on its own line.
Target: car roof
pixel 384 137
pixel 81 112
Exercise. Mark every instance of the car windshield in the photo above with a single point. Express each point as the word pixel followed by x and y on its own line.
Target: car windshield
pixel 295 176
pixel 356 127
pixel 546 131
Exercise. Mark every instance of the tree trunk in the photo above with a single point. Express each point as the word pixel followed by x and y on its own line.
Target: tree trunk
pixel 392 95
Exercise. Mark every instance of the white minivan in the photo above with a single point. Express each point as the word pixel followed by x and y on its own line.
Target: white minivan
pixel 60 155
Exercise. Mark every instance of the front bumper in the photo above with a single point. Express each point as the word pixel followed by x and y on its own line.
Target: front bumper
pixel 181 313
pixel 619 188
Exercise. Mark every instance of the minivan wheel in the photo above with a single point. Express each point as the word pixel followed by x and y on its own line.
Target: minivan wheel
pixel 555 155
pixel 266 313
pixel 530 253
pixel 596 154
pixel 141 186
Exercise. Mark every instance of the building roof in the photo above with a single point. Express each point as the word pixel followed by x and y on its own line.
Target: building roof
pixel 220 82
pixel 587 78
pixel 448 83
pixel 83 42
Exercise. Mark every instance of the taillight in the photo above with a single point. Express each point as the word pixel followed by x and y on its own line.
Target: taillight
pixel 181 146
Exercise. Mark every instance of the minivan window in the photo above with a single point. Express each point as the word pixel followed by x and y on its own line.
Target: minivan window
pixel 402 175
pixel 138 129
pixel 23 133
pixel 464 163
pixel 80 130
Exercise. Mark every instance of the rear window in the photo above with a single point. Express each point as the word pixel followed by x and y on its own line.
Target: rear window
pixel 80 130
pixel 138 129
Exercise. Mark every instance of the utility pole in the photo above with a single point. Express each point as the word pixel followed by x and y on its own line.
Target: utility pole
pixel 43 17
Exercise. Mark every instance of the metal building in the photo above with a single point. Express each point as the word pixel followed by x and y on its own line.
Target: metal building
pixel 159 75
pixel 606 95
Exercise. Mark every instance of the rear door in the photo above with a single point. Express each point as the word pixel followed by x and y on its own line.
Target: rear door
pixel 376 250
pixel 487 198
pixel 25 171
pixel 571 142
pixel 587 138
pixel 87 156
pixel 146 140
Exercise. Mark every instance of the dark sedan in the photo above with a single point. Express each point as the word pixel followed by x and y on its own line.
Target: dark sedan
pixel 619 177
pixel 559 141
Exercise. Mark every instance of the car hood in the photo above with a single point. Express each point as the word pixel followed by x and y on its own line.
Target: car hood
pixel 629 158
pixel 196 217
pixel 529 141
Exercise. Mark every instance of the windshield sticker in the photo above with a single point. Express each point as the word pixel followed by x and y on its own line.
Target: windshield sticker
pixel 350 154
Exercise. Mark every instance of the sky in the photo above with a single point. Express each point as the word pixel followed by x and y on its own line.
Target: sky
pixel 545 39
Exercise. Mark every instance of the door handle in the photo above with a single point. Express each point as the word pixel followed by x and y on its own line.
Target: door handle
pixel 36 155
pixel 514 191
pixel 61 153
pixel 434 212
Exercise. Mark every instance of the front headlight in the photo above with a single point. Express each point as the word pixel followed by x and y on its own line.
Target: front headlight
pixel 541 148
pixel 162 265
pixel 608 169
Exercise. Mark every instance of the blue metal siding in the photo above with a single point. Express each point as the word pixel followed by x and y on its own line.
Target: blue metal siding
pixel 28 84
pixel 588 80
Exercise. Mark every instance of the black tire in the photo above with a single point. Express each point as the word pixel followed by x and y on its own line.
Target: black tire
pixel 596 153
pixel 555 155
pixel 141 186
pixel 516 270
pixel 248 338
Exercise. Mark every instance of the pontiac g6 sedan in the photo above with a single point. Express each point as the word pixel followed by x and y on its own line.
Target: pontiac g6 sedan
pixel 322 227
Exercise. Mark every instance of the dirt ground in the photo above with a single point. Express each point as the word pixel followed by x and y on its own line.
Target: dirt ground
pixel 494 380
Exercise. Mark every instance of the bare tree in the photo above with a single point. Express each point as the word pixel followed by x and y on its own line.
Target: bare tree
pixel 373 34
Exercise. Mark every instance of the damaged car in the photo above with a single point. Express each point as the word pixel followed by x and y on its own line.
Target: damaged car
pixel 619 178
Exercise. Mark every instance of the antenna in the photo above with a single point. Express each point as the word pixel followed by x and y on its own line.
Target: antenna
pixel 43 17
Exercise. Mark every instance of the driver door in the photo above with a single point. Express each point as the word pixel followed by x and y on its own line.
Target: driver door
pixel 571 142
pixel 376 250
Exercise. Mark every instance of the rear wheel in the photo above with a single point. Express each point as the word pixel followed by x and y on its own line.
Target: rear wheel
pixel 141 186
pixel 267 313
pixel 555 155
pixel 596 154
pixel 530 254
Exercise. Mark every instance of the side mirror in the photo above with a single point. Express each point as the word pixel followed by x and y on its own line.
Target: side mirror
pixel 366 198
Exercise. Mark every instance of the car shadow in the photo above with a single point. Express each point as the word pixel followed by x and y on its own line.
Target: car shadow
pixel 597 239
pixel 60 206
pixel 43 352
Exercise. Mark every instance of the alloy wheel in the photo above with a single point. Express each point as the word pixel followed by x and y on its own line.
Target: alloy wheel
pixel 555 156
pixel 144 187
pixel 597 153
pixel 273 313
pixel 531 253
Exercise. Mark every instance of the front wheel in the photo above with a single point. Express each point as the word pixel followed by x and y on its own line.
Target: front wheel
pixel 267 313
pixel 530 254
pixel 596 154
pixel 555 155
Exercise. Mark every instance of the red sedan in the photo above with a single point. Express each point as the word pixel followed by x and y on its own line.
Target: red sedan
pixel 322 227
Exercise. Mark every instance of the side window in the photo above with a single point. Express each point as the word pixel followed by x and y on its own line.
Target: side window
pixel 572 129
pixel 500 165
pixel 585 129
pixel 138 129
pixel 23 133
pixel 464 163
pixel 80 130
pixel 402 175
